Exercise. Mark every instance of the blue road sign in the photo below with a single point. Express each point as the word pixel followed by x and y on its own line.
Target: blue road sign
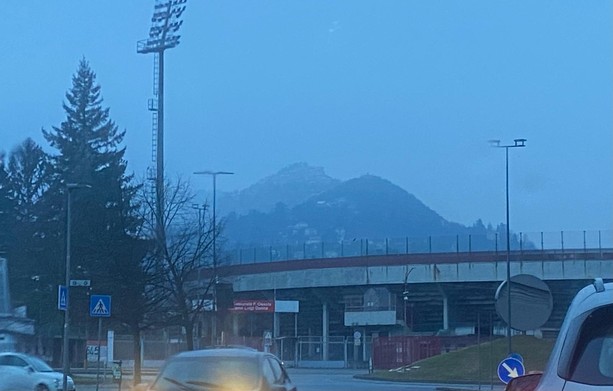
pixel 510 368
pixel 100 306
pixel 517 356
pixel 62 297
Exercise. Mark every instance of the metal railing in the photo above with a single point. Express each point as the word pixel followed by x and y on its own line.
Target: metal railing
pixel 588 241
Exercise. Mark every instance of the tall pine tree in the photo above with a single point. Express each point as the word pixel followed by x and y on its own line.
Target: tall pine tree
pixel 104 222
pixel 32 259
pixel 6 207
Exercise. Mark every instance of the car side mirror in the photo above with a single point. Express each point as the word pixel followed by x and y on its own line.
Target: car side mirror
pixel 29 369
pixel 524 383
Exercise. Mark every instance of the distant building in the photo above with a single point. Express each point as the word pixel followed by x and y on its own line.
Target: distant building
pixel 16 330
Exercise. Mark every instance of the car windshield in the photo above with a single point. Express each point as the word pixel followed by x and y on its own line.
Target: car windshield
pixel 39 365
pixel 197 373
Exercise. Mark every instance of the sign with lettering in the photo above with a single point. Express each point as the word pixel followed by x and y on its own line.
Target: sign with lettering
pixel 92 351
pixel 253 306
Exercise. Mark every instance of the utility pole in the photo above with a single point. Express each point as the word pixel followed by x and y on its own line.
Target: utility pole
pixel 66 346
pixel 215 277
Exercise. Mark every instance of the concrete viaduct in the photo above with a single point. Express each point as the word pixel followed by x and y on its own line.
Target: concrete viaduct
pixel 399 294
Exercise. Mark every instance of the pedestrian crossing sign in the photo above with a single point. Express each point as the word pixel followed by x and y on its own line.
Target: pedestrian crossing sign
pixel 100 306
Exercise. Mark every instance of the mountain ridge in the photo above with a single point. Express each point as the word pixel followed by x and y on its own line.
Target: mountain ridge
pixel 366 206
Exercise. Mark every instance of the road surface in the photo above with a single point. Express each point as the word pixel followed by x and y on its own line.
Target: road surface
pixel 336 380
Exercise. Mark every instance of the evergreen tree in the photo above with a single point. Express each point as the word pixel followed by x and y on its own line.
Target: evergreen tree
pixel 33 259
pixel 27 176
pixel 104 221
pixel 28 169
pixel 6 207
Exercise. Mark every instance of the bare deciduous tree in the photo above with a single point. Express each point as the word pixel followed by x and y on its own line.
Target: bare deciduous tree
pixel 183 248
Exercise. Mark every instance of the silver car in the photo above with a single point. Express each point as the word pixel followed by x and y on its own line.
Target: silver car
pixel 22 372
pixel 215 369
pixel 582 357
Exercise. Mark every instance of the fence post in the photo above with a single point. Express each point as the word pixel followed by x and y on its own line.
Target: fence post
pixel 430 244
pixel 542 242
pixel 562 240
pixel 584 244
pixel 496 248
pixel 470 243
pixel 599 244
pixel 457 244
pixel 521 242
pixel 346 353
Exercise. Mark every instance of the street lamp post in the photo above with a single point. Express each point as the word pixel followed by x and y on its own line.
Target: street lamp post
pixel 405 292
pixel 517 143
pixel 65 355
pixel 214 175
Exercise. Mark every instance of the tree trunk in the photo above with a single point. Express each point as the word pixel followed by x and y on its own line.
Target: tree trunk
pixel 189 335
pixel 136 352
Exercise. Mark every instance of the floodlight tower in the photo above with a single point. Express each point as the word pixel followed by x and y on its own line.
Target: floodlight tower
pixel 166 22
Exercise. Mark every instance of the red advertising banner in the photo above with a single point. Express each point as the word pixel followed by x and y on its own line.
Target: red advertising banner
pixel 253 306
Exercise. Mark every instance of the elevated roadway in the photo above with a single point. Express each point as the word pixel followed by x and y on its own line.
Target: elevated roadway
pixel 401 294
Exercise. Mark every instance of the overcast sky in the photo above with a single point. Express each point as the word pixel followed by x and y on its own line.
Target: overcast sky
pixel 407 90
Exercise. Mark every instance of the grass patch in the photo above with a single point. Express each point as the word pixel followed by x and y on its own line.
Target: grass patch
pixel 474 363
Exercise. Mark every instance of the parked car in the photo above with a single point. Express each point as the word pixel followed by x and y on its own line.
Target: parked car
pixel 22 372
pixel 582 357
pixel 231 369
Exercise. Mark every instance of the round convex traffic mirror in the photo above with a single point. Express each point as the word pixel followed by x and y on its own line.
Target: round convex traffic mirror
pixel 531 302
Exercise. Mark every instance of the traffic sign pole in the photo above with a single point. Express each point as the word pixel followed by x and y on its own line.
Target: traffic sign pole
pixel 98 368
pixel 99 307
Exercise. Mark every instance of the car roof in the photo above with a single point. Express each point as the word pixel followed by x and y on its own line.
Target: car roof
pixel 223 352
pixel 592 296
pixel 22 355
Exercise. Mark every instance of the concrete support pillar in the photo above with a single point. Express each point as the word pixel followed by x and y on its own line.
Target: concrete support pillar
pixel 325 330
pixel 235 326
pixel 445 308
pixel 275 325
pixel 445 313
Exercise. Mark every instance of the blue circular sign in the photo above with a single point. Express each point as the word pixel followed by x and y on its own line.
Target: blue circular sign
pixel 510 368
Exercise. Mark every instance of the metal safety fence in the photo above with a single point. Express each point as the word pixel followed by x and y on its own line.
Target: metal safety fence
pixel 560 241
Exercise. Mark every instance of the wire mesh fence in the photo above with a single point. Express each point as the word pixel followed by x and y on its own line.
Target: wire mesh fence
pixel 588 241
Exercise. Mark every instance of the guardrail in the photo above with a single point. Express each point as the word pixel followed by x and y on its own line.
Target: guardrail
pixel 589 241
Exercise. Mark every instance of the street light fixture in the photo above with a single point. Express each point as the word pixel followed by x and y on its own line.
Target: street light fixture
pixel 65 356
pixel 214 175
pixel 517 143
pixel 163 35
